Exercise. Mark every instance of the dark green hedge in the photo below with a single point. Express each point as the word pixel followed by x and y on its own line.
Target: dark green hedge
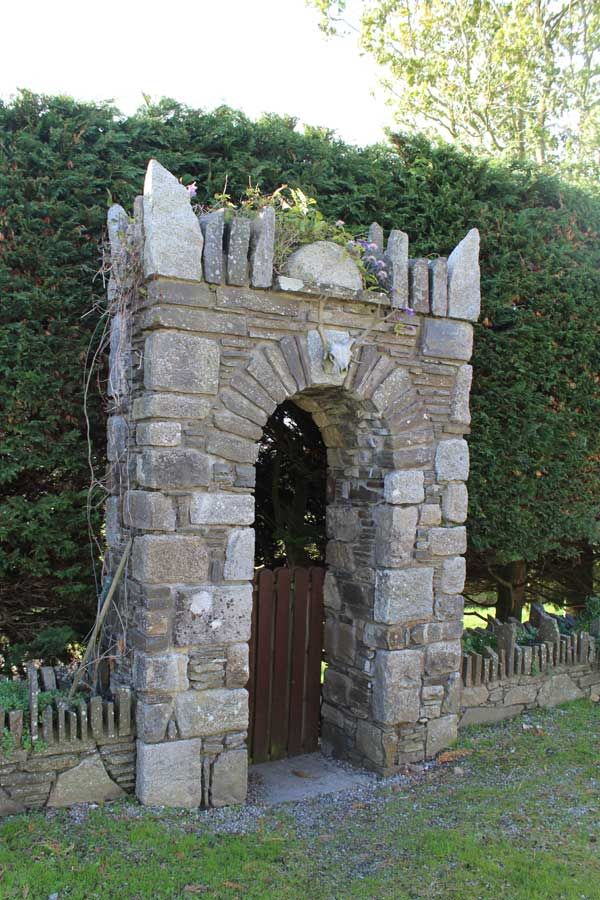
pixel 536 404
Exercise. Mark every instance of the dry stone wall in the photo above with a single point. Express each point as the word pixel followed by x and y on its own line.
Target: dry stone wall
pixel 206 341
pixel 82 752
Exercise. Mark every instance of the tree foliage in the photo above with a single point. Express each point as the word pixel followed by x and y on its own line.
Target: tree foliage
pixel 536 459
pixel 516 77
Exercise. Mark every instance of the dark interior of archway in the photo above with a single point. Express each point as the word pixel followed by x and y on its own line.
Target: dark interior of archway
pixel 291 475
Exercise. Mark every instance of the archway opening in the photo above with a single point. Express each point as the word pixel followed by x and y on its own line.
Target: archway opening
pixel 286 647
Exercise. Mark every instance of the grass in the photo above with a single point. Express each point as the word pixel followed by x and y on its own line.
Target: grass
pixel 515 814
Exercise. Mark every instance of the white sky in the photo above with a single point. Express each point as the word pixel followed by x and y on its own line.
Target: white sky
pixel 261 56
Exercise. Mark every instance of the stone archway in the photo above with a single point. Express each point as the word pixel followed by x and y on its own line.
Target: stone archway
pixel 212 348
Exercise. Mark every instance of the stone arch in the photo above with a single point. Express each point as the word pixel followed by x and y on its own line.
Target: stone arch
pixel 200 356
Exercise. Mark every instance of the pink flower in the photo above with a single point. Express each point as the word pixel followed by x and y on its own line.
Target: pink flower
pixel 192 190
pixel 340 223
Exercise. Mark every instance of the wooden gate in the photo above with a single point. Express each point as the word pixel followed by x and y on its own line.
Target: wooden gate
pixel 285 663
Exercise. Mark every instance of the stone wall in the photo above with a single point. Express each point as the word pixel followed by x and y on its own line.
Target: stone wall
pixel 503 683
pixel 67 754
pixel 206 341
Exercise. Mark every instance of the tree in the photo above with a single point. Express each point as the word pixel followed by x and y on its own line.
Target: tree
pixel 514 77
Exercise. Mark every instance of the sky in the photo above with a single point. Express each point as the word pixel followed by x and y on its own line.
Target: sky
pixel 261 56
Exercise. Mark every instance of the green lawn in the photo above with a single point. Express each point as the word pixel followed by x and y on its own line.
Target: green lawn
pixel 517 816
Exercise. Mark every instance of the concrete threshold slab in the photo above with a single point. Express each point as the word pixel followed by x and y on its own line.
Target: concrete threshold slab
pixel 302 778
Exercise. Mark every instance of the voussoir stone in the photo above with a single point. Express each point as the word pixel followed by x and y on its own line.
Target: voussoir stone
pixel 221 508
pixel 214 614
pixel 329 365
pixel 170 558
pixel 403 595
pixel 181 362
pixel 203 713
pixel 173 238
pixel 324 263
pixel 88 782
pixel 170 773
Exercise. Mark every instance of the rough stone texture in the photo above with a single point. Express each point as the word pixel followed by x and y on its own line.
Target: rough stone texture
pixel 438 287
pixel 396 256
pixel 213 227
pixel 396 685
pixel 237 252
pixel 447 339
pixel 229 781
pixel 396 534
pixel 441 733
pixel 464 294
pixel 404 487
pixel 239 556
pixel 159 434
pixel 214 614
pixel 452 579
pixel 459 410
pixel 324 263
pixel 403 595
pixel 203 713
pixel 165 559
pixel 419 285
pixel 447 541
pixel 117 437
pixel 222 509
pixel 262 242
pixel 170 406
pixel 557 690
pixel 164 673
pixel 455 502
pixel 171 469
pixel 170 773
pixel 173 239
pixel 149 510
pixel 452 460
pixel 87 782
pixel 203 364
pixel 181 362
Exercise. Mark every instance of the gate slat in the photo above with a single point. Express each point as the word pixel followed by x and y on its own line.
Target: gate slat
pixel 315 653
pixel 298 669
pixel 281 666
pixel 264 659
pixel 252 665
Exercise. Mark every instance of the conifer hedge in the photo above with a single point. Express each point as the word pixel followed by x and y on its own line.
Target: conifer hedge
pixel 536 407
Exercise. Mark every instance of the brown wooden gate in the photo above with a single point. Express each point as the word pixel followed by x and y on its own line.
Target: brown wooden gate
pixel 285 663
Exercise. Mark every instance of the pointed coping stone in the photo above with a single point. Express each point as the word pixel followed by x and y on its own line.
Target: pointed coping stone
pixel 375 235
pixel 117 222
pixel 173 237
pixel 237 250
pixel 324 263
pixel 464 294
pixel 438 286
pixel 262 245
pixel 419 285
pixel 397 258
pixel 213 227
